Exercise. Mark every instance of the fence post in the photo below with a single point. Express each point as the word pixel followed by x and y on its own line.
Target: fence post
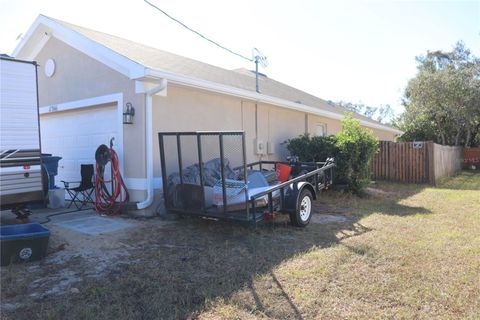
pixel 431 163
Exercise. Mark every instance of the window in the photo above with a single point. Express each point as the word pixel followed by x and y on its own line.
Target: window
pixel 321 130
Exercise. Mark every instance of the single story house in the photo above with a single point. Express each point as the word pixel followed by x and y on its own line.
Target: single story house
pixel 86 78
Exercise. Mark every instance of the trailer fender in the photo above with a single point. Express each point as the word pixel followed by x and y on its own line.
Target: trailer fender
pixel 292 194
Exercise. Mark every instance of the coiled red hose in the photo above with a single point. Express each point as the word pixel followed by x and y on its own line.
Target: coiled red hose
pixel 105 202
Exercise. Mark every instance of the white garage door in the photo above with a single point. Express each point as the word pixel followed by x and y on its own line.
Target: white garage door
pixel 75 136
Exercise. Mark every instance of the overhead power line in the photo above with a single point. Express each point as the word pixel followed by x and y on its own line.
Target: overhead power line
pixel 198 33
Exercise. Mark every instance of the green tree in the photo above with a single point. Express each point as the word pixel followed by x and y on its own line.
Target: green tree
pixel 442 103
pixel 383 114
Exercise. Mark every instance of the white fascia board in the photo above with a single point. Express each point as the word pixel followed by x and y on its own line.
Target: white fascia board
pixel 26 37
pixel 38 47
pixel 107 56
pixel 246 94
pixel 144 86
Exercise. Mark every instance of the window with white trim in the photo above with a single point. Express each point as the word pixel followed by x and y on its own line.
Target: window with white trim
pixel 321 130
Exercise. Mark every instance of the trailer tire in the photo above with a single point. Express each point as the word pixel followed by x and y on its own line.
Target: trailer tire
pixel 303 213
pixel 45 182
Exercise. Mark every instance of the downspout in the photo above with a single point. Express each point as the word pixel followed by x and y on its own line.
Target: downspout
pixel 149 142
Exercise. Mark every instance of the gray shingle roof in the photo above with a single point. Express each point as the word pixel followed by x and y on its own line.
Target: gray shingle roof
pixel 160 60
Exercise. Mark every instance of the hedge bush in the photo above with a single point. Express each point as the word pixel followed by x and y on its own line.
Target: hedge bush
pixel 308 148
pixel 353 148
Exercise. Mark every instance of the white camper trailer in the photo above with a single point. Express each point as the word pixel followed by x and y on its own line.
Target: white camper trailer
pixel 21 176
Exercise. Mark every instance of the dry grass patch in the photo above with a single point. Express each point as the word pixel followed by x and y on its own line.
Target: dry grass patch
pixel 410 252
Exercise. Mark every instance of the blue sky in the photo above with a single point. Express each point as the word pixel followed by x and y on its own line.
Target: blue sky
pixel 357 51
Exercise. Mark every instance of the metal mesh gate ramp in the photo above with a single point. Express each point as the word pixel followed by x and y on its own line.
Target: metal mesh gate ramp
pixel 203 174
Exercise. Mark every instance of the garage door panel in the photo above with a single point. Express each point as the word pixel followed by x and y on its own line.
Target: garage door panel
pixel 84 141
pixel 75 136
pixel 67 165
pixel 104 139
pixel 65 142
pixel 83 153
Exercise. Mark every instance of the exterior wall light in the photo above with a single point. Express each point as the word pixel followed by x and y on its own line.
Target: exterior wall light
pixel 128 114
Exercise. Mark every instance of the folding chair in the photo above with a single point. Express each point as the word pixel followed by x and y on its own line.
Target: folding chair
pixel 81 195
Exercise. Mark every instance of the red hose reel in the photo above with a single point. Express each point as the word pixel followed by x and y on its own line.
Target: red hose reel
pixel 108 201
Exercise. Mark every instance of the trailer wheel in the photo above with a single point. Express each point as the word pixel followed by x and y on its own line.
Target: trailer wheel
pixel 302 215
pixel 45 182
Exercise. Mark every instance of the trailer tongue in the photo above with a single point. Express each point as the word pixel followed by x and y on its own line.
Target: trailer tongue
pixel 218 183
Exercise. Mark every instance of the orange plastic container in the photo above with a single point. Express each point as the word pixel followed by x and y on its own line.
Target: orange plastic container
pixel 283 171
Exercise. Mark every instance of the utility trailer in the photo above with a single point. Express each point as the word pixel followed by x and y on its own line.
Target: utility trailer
pixel 218 183
pixel 22 179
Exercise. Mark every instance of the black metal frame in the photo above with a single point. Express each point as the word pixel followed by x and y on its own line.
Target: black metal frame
pixel 75 196
pixel 250 211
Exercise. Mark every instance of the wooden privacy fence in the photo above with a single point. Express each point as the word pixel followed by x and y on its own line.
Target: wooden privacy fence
pixel 471 156
pixel 415 162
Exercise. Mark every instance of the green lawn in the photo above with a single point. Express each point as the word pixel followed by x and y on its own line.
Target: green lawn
pixel 405 252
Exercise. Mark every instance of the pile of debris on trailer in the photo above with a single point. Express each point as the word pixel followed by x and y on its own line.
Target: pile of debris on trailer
pixel 257 181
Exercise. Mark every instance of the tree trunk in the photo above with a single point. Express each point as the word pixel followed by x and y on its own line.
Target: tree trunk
pixel 457 137
pixel 468 137
pixel 442 136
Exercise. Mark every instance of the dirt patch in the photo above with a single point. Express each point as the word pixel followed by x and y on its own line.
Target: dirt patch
pixel 72 258
pixel 327 218
pixel 390 258
pixel 379 192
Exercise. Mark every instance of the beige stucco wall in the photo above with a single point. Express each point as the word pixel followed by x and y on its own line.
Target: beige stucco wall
pixel 77 77
pixel 334 126
pixel 192 110
pixel 186 109
pixel 276 125
pixel 383 135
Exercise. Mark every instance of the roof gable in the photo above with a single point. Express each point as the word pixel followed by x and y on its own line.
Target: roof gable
pixel 43 28
pixel 138 61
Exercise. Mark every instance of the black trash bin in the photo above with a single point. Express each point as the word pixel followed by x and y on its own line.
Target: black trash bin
pixel 51 165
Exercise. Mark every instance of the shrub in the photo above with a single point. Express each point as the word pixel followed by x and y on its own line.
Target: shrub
pixel 356 148
pixel 353 148
pixel 308 148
